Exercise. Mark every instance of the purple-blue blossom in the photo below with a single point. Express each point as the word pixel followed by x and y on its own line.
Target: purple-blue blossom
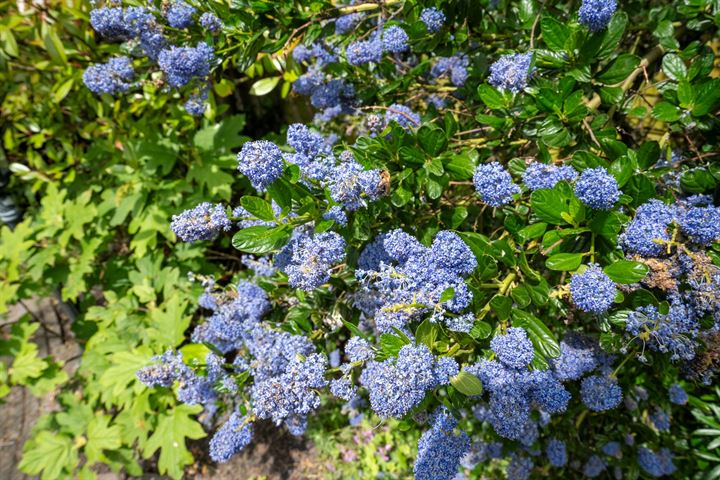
pixel 440 449
pixel 597 189
pixel 313 258
pixel 594 466
pixel 541 175
pixel 347 22
pixel 677 394
pixel 600 393
pixel 596 14
pixel 260 161
pixel 111 77
pixel 656 464
pixel 364 51
pixel 234 435
pixel 514 348
pixel 454 67
pixel 494 184
pixel 403 115
pixel 179 14
pixel 395 40
pixel 202 222
pixel 433 19
pixel 556 452
pixel 210 22
pixel 592 290
pixel 183 64
pixel 511 72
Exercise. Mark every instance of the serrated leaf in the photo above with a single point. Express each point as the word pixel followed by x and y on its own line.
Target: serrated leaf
pixel 101 436
pixel 50 453
pixel 173 428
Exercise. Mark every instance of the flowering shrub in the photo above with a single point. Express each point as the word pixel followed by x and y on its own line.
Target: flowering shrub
pixel 497 230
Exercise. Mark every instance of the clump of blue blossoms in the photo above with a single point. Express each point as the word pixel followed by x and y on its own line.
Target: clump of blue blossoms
pixel 358 349
pixel 409 280
pixel 454 67
pixel 596 14
pixel 600 393
pixel 202 222
pixel 395 40
pixel 701 224
pixel 594 466
pixel 577 357
pixel 541 175
pixel 234 435
pixel 647 232
pixel 660 419
pixel 597 189
pixel 520 467
pixel 179 14
pixel 345 23
pixel 612 449
pixel 111 77
pixel 313 258
pixel 494 184
pixel 556 452
pixel 440 450
pixel 677 394
pixel 674 332
pixel 260 161
pixel 364 51
pixel 433 19
pixel 397 385
pixel 511 72
pixel 210 22
pixel 183 64
pixel 592 290
pixel 403 115
pixel 514 348
pixel 656 464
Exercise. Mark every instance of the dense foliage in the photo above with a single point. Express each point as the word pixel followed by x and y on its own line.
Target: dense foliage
pixel 489 227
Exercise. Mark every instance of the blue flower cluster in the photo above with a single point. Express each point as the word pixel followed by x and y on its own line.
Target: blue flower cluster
pixel 405 280
pixel 612 449
pixel 600 392
pixel 656 464
pixel 592 290
pixel 183 64
pixel 646 232
pixel 395 40
pixel 358 349
pixel 111 77
pixel 291 396
pixel 312 258
pixel 674 332
pixel 520 467
pixel 597 189
pixel 403 116
pixel 202 222
pixel 677 394
pixel 511 72
pixel 433 19
pixel 397 385
pixel 494 184
pixel 594 466
pixel 577 357
pixel 541 175
pixel 596 14
pixel 260 161
pixel 179 14
pixel 454 67
pixel 234 435
pixel 660 419
pixel 515 390
pixel 556 452
pixel 365 51
pixel 701 224
pixel 440 450
pixel 347 22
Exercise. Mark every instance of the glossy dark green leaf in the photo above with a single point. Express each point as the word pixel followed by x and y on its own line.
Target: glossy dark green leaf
pixel 564 262
pixel 543 339
pixel 619 69
pixel 260 240
pixel 258 207
pixel 626 271
pixel 467 383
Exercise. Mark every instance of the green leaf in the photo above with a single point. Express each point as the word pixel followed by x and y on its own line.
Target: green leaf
pixel 554 33
pixel 467 383
pixel 264 86
pixel 698 180
pixel 432 140
pixel 666 111
pixel 543 339
pixel 492 97
pixel 620 69
pixel 50 453
pixel 101 436
pixel 169 321
pixel 674 67
pixel 260 240
pixel 447 295
pixel 626 271
pixel 258 207
pixel 480 330
pixel 564 262
pixel 549 205
pixel 390 344
pixel 173 427
pixel 427 332
pixel 613 35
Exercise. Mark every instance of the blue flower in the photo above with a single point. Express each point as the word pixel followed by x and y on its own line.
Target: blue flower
pixel 440 450
pixel 364 51
pixel 556 452
pixel 182 64
pixel 677 394
pixel 336 214
pixel 494 184
pixel 111 77
pixel 646 233
pixel 260 161
pixel 511 72
pixel 514 349
pixel 358 349
pixel 594 466
pixel 674 332
pixel 600 393
pixel 701 224
pixel 346 23
pixel 196 105
pixel 577 357
pixel 612 449
pixel 312 259
pixel 656 464
pixel 403 115
pixel 432 18
pixel 210 22
pixel 395 40
pixel 660 419
pixel 540 175
pixel 592 291
pixel 597 189
pixel 343 388
pixel 234 435
pixel 519 468
pixel 179 14
pixel 203 222
pixel 596 14
pixel 455 67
